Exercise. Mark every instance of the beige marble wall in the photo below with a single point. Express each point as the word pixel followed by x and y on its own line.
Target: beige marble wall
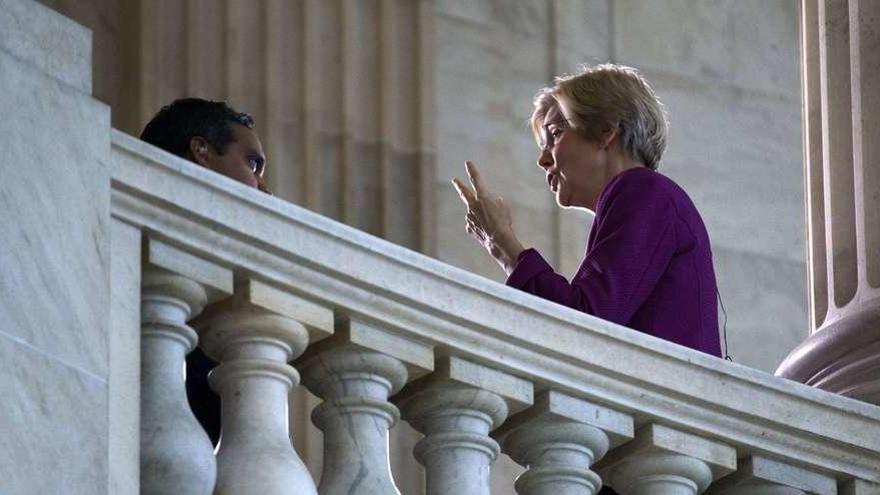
pixel 339 91
pixel 728 73
pixel 367 108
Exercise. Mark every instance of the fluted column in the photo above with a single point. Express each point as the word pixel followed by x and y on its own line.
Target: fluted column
pixel 455 408
pixel 355 382
pixel 759 475
pixel 253 335
pixel 347 122
pixel 661 460
pixel 558 439
pixel 841 65
pixel 176 454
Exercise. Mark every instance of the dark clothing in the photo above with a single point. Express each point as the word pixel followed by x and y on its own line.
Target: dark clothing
pixel 648 264
pixel 204 403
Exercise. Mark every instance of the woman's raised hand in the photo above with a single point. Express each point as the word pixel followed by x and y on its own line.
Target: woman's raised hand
pixel 488 219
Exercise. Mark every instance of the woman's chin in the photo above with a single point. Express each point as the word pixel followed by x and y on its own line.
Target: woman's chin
pixel 562 199
pixel 566 201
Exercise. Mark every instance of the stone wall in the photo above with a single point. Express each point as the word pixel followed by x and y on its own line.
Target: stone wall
pixel 54 257
pixel 357 141
pixel 457 86
pixel 728 73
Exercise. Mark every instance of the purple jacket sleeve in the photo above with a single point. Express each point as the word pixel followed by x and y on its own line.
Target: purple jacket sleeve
pixel 632 242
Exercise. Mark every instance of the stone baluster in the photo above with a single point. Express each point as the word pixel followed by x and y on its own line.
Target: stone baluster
pixel 355 382
pixel 176 455
pixel 455 408
pixel 661 460
pixel 759 475
pixel 558 439
pixel 253 335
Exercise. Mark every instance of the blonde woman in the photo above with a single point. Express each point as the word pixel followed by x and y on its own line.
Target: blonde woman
pixel 648 262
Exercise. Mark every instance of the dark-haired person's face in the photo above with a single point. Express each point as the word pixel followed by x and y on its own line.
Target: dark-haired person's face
pixel 242 160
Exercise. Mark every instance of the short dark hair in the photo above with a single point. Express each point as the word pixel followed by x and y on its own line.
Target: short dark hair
pixel 176 124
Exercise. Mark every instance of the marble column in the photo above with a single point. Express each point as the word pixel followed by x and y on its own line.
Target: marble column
pixel 841 94
pixel 760 475
pixel 558 439
pixel 355 380
pixel 176 455
pixel 668 461
pixel 455 408
pixel 253 335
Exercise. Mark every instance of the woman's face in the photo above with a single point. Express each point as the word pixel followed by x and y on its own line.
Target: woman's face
pixel 576 167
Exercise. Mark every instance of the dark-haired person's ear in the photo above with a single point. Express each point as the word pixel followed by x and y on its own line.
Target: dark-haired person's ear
pixel 199 151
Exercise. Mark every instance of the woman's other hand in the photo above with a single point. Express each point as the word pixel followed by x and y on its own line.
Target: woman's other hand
pixel 488 219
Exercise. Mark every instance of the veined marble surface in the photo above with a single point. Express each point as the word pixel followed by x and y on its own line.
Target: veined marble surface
pixel 54 258
pixel 55 216
pixel 51 42
pixel 53 424
pixel 125 358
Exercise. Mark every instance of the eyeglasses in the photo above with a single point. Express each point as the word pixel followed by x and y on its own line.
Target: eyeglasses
pixel 548 137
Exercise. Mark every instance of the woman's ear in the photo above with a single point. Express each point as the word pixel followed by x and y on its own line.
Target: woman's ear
pixel 199 150
pixel 608 137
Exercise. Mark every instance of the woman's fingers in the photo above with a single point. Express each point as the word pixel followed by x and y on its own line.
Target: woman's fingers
pixel 464 192
pixel 485 212
pixel 475 178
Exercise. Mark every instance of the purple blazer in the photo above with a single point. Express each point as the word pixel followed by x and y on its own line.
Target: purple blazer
pixel 648 264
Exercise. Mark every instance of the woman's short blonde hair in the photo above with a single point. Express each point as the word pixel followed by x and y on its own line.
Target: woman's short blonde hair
pixel 602 98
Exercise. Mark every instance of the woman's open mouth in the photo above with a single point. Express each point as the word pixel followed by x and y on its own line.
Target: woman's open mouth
pixel 553 182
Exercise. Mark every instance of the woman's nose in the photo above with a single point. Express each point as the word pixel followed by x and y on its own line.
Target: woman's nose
pixel 545 159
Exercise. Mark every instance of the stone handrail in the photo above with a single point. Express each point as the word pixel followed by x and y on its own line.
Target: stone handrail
pixel 472 364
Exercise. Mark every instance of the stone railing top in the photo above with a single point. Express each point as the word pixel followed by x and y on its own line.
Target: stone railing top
pixel 419 299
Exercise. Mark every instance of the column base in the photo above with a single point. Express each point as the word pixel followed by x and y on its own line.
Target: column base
pixel 841 357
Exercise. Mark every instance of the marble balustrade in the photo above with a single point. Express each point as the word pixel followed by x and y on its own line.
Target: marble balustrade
pixel 280 295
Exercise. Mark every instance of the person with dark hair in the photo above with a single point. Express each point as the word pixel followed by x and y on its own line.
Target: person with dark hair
pixel 211 134
pixel 215 136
